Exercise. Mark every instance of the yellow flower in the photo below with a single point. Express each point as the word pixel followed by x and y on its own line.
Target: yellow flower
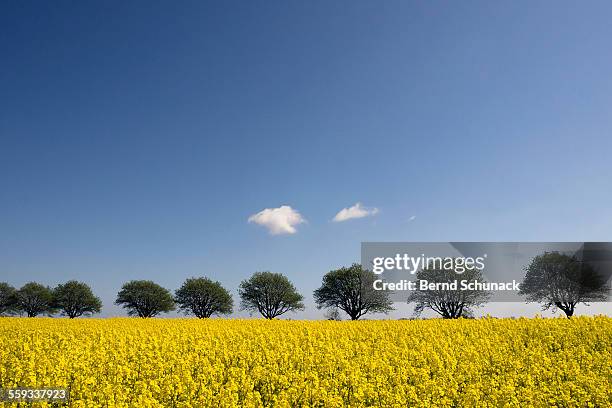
pixel 127 362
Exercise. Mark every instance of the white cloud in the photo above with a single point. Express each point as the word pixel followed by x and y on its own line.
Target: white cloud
pixel 412 218
pixel 356 211
pixel 281 220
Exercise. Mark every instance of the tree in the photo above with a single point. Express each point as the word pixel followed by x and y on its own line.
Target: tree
pixel 75 299
pixel 7 299
pixel 563 281
pixel 351 290
pixel 34 299
pixel 270 294
pixel 203 298
pixel 144 298
pixel 446 301
pixel 333 313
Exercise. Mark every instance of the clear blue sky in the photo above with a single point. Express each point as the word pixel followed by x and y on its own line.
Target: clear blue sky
pixel 136 138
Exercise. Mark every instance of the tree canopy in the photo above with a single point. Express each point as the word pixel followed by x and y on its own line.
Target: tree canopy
pixel 202 297
pixel 448 303
pixel 76 299
pixel 351 290
pixel 559 280
pixel 144 298
pixel 34 299
pixel 271 294
pixel 7 299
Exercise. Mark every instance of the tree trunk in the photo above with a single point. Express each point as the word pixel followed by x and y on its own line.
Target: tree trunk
pixel 567 308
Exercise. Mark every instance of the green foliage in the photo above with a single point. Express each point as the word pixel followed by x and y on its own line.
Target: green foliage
pixel 202 297
pixel 75 299
pixel 34 299
pixel 562 281
pixel 144 298
pixel 351 290
pixel 448 303
pixel 270 294
pixel 7 299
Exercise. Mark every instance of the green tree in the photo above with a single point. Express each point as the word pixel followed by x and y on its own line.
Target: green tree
pixel 144 298
pixel 448 303
pixel 270 294
pixel 562 281
pixel 202 297
pixel 351 290
pixel 75 299
pixel 34 299
pixel 7 299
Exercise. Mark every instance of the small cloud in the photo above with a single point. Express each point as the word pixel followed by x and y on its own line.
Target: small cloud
pixel 412 218
pixel 281 220
pixel 356 211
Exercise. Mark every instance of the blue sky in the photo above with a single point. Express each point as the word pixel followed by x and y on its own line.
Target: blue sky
pixel 137 138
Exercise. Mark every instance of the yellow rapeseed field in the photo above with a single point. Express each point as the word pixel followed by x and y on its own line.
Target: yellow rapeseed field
pixel 125 362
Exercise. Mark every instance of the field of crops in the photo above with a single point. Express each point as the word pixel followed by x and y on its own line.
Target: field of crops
pixel 188 362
